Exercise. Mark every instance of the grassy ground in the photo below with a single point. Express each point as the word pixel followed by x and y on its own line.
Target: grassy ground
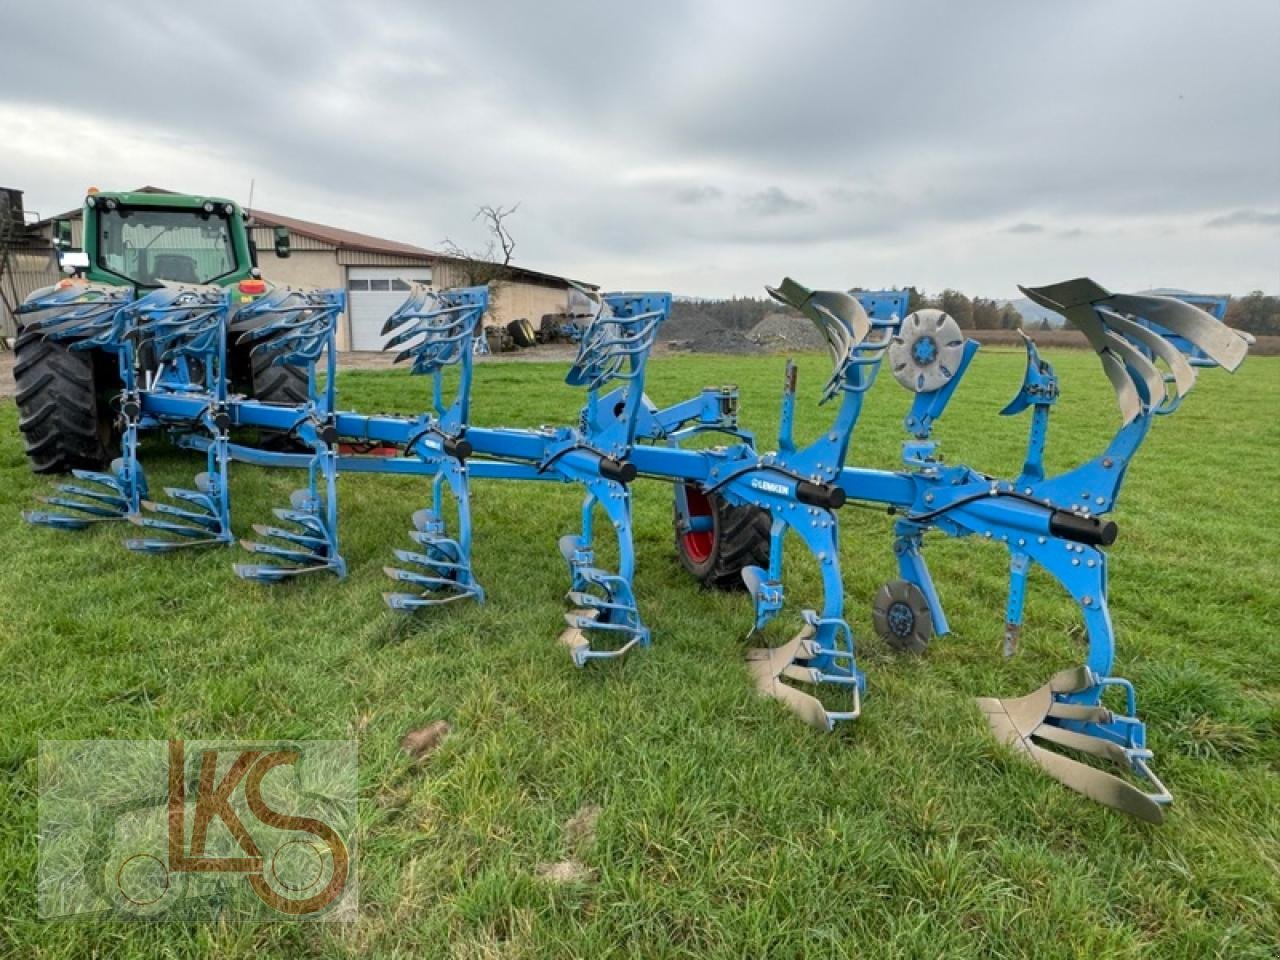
pixel 727 828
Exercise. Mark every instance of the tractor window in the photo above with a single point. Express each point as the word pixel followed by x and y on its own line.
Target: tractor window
pixel 148 246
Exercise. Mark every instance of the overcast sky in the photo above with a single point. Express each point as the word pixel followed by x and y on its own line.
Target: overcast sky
pixel 702 147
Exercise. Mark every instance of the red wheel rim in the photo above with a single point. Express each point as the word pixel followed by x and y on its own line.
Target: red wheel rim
pixel 699 544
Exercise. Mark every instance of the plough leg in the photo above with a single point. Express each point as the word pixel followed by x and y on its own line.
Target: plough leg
pixel 298 329
pixel 91 317
pixel 1019 563
pixel 604 604
pixel 438 330
pixel 822 652
pixel 441 570
pixel 1068 713
pixel 205 515
pixel 310 544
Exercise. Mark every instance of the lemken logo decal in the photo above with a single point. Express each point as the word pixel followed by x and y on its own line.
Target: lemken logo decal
pixel 769 486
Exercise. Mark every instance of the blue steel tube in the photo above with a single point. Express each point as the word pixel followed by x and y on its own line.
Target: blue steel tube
pixel 878 486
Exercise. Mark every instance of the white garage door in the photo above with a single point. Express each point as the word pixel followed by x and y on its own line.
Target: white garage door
pixel 372 294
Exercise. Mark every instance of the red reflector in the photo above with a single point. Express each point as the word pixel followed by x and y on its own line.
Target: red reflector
pixel 253 286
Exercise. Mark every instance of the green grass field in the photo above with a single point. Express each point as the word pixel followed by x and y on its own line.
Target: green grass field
pixel 727 828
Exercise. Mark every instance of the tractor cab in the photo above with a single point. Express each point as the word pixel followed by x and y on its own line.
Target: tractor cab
pixel 147 239
pixel 68 392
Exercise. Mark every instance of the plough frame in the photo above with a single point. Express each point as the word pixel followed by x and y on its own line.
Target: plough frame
pixel 1148 346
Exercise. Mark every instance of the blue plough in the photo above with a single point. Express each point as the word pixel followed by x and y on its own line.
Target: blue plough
pixel 171 351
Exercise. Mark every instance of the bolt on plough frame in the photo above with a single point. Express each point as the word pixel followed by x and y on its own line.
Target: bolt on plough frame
pixel 171 348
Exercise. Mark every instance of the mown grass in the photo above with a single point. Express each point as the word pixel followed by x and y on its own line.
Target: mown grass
pixel 727 828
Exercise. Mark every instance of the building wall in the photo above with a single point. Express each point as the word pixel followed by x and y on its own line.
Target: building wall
pixel 265 238
pixel 363 258
pixel 26 273
pixel 445 275
pixel 307 268
pixel 303 268
pixel 527 300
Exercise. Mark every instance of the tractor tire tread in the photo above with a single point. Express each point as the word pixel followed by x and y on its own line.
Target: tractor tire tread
pixel 59 413
pixel 283 383
pixel 742 540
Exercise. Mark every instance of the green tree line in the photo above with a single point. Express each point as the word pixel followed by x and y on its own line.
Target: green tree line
pixel 976 313
pixel 1255 313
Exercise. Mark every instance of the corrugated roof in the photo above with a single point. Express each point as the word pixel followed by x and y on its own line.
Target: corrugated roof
pixel 344 239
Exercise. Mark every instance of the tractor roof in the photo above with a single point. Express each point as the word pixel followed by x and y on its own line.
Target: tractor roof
pixel 154 197
pixel 147 196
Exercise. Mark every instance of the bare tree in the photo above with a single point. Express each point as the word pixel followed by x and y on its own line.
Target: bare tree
pixel 495 219
pixel 490 266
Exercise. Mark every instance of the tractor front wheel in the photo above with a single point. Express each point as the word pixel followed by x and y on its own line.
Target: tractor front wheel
pixel 716 540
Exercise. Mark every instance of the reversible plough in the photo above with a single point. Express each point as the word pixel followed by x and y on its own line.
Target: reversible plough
pixel 171 345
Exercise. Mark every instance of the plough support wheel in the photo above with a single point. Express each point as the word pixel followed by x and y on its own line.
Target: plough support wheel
pixel 900 614
pixel 716 540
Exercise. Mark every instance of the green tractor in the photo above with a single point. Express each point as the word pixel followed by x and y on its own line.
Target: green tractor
pixel 66 396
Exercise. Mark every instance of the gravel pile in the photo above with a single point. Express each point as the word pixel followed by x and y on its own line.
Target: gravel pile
pixel 689 327
pixel 744 326
pixel 719 341
pixel 776 333
pixel 780 331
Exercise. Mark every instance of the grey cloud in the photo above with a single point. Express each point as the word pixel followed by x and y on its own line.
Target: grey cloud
pixel 854 195
pixel 773 202
pixel 1246 218
pixel 698 194
pixel 1025 227
pixel 826 150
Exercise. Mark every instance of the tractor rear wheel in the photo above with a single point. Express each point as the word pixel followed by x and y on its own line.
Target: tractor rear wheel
pixel 286 384
pixel 252 374
pixel 727 539
pixel 64 411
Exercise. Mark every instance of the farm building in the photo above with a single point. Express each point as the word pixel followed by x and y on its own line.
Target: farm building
pixel 374 271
